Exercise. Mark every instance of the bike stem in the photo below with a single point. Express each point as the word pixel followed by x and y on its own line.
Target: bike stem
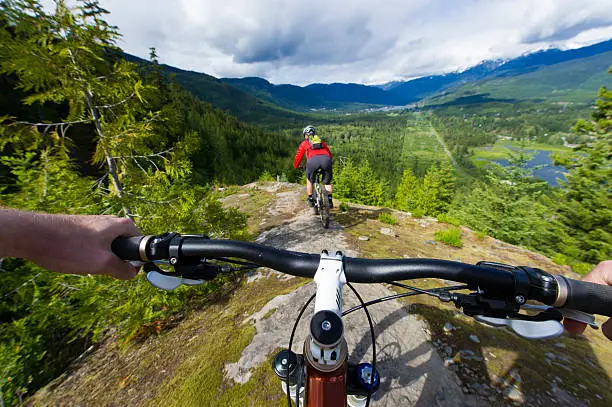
pixel 325 349
pixel 326 327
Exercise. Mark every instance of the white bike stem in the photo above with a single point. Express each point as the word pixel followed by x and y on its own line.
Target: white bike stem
pixel 330 279
pixel 326 341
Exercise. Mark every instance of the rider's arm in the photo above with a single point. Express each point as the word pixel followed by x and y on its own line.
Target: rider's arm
pixel 73 244
pixel 300 153
pixel 601 274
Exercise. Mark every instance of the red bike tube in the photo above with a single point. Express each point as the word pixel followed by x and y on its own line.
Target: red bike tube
pixel 325 387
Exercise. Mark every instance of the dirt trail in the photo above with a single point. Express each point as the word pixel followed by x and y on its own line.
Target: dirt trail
pixel 411 371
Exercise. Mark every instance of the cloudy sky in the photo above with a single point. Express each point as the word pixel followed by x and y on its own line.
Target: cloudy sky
pixel 361 41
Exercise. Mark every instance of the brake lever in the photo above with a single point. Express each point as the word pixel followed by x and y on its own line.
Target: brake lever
pixel 169 283
pixel 525 328
pixel 576 315
pixel 184 274
pixel 537 327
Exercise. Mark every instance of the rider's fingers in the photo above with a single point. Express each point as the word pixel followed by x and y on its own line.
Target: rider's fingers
pixel 606 328
pixel 120 269
pixel 123 227
pixel 574 326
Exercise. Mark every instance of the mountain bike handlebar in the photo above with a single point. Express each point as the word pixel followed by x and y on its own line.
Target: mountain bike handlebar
pixel 492 280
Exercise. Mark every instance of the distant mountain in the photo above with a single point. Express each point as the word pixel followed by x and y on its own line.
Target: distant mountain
pixel 315 96
pixel 421 88
pixel 221 95
pixel 287 96
pixel 355 93
pixel 554 75
pixel 573 81
pixel 531 62
pixel 417 89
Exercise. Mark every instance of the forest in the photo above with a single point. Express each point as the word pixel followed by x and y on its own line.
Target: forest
pixel 85 131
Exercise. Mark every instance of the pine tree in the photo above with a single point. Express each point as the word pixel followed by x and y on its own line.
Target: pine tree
pixel 583 203
pixel 370 190
pixel 70 57
pixel 407 195
pixel 346 181
pixel 507 205
pixel 67 63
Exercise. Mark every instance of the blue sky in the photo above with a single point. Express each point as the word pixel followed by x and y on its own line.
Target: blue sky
pixel 360 41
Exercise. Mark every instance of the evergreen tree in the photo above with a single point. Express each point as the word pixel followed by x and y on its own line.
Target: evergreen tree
pixel 70 57
pixel 370 190
pixel 407 195
pixel 68 60
pixel 346 181
pixel 506 206
pixel 583 204
pixel 437 189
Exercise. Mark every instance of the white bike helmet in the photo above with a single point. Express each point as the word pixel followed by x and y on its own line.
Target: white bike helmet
pixel 309 130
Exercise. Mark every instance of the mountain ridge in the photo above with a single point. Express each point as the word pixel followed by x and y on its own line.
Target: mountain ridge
pixel 398 93
pixel 254 99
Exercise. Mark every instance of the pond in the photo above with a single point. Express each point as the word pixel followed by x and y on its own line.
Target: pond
pixel 548 172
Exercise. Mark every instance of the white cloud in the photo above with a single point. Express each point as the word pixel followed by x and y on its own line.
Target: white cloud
pixel 363 41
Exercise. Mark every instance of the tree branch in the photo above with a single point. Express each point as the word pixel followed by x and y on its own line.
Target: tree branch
pixel 21 286
pixel 53 124
pixel 116 104
pixel 139 198
pixel 160 154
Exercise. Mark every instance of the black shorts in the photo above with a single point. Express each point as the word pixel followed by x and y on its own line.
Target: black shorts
pixel 322 161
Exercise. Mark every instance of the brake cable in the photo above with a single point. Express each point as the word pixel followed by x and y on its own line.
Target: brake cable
pixel 297 392
pixel 396 296
pixel 365 309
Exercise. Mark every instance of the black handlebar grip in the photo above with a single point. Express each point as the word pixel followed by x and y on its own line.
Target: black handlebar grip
pixel 589 297
pixel 127 248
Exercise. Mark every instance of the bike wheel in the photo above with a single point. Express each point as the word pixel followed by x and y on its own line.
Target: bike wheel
pixel 324 208
pixel 317 198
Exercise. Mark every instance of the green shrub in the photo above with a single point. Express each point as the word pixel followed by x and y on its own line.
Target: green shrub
pixel 344 207
pixel 450 237
pixel 445 218
pixel 387 218
pixel 418 213
pixel 266 176
pixel 581 268
pixel 560 259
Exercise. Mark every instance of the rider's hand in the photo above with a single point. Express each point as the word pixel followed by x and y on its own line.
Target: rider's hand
pixel 601 274
pixel 72 244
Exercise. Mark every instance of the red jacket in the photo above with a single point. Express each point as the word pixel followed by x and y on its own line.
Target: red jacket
pixel 305 148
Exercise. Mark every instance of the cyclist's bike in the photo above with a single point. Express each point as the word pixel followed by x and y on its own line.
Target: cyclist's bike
pixel 320 376
pixel 320 197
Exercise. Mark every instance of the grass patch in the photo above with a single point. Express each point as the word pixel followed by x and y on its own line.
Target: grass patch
pixel 200 380
pixel 387 218
pixel 445 218
pixel 418 213
pixel 560 259
pixel 344 207
pixel 269 313
pixel 578 267
pixel 451 237
pixel 480 235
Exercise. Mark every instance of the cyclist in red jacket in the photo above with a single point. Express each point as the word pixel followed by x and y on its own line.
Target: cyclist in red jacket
pixel 317 156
